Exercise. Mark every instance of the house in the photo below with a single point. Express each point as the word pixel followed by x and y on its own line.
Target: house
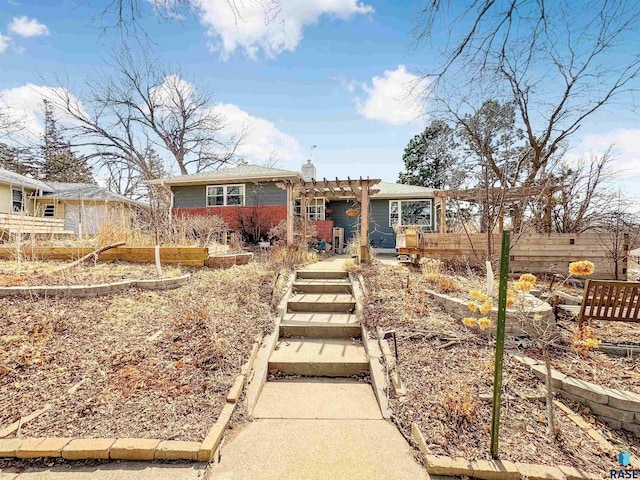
pixel 244 192
pixel 28 205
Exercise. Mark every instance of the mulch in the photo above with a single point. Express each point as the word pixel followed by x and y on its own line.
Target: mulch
pixel 134 364
pixel 446 367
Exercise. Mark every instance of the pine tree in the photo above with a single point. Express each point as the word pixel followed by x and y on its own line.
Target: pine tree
pixel 58 162
pixel 18 160
pixel 429 157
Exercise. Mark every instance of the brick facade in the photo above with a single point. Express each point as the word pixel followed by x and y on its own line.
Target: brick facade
pixel 266 215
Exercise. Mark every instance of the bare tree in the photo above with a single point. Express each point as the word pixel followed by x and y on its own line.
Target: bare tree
pixel 559 62
pixel 141 104
pixel 9 123
pixel 583 198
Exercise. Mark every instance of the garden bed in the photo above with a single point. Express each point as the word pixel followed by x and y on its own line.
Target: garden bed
pixel 36 273
pixel 447 370
pixel 135 364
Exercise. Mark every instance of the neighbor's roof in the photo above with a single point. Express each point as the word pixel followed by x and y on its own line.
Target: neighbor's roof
pixel 86 191
pixel 12 178
pixel 230 174
pixel 400 190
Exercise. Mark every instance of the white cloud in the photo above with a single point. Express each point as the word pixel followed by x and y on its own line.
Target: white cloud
pixel 263 139
pixel 4 43
pixel 268 26
pixel 25 105
pixel 390 98
pixel 626 149
pixel 27 27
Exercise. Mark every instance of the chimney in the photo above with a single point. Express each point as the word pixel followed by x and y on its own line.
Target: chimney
pixel 308 171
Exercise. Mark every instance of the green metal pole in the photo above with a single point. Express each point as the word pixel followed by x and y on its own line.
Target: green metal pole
pixel 497 373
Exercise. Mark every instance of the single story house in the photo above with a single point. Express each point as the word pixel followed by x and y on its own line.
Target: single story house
pixel 31 206
pixel 243 191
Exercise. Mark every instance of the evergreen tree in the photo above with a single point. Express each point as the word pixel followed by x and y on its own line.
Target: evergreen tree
pixel 58 162
pixel 18 160
pixel 430 157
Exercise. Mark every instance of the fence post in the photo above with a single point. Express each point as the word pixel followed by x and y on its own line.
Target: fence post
pixel 497 373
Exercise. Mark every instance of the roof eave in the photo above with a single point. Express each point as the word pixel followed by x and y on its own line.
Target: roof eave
pixel 223 180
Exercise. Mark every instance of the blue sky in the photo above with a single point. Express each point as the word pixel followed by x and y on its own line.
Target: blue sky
pixel 329 73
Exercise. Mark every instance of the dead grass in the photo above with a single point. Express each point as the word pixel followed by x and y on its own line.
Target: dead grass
pixel 145 364
pixel 445 377
pixel 36 273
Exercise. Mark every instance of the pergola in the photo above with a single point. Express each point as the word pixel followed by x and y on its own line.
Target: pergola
pixel 359 189
pixel 508 196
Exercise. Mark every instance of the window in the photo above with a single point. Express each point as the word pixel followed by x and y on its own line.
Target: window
pixel 17 197
pixel 411 212
pixel 315 208
pixel 225 195
pixel 49 210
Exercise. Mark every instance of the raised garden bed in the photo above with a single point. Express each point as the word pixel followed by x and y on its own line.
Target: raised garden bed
pixel 150 364
pixel 229 260
pixel 447 371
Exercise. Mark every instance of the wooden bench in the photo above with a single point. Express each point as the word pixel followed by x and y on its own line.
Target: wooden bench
pixel 608 300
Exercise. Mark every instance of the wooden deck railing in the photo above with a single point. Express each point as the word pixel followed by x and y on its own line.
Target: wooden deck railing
pixel 16 223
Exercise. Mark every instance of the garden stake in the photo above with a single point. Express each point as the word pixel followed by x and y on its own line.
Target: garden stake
pixel 497 373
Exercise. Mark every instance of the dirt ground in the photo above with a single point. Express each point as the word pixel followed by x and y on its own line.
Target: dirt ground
pixel 36 273
pixel 447 368
pixel 134 364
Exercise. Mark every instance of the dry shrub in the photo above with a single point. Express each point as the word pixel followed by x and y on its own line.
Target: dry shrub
pixel 352 265
pixel 460 404
pixel 289 257
pixel 446 285
pixel 188 230
pixel 278 233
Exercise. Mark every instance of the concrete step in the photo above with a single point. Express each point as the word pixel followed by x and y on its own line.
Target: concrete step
pixel 322 274
pixel 321 302
pixel 328 357
pixel 320 325
pixel 335 285
pixel 311 398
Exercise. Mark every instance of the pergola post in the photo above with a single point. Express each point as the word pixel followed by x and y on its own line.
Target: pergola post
pixel 290 212
pixel 364 223
pixel 303 218
pixel 443 214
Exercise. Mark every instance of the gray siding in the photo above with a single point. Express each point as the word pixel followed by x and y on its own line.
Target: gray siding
pixel 194 196
pixel 381 235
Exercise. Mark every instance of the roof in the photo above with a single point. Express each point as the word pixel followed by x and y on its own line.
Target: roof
pixel 86 191
pixel 401 190
pixel 12 178
pixel 230 174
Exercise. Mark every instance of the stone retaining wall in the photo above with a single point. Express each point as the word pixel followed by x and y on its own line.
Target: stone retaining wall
pixel 95 290
pixel 618 408
pixel 457 307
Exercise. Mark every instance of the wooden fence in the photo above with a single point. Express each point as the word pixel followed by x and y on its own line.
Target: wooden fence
pixel 540 253
pixel 191 256
pixel 27 224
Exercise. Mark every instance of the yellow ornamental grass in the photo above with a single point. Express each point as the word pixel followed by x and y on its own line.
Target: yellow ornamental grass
pixel 469 321
pixel 472 306
pixel 583 268
pixel 486 307
pixel 522 286
pixel 484 323
pixel 527 277
pixel 478 295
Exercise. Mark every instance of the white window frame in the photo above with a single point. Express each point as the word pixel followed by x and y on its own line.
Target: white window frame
pixel 23 198
pixel 225 189
pixel 317 202
pixel 400 200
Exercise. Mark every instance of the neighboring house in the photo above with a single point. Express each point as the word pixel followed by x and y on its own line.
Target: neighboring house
pixel 243 191
pixel 28 205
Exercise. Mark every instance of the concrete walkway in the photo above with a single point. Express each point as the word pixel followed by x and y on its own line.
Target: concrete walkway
pixel 325 424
